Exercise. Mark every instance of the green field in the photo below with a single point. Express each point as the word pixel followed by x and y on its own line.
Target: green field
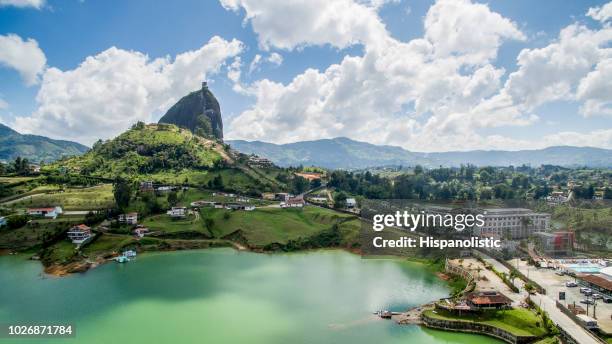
pixel 275 225
pixel 96 197
pixel 519 321
pixel 166 224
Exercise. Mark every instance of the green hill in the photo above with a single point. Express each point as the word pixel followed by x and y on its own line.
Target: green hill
pixel 165 153
pixel 35 148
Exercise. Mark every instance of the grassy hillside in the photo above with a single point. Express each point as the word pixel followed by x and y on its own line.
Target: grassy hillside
pixel 165 153
pixel 35 148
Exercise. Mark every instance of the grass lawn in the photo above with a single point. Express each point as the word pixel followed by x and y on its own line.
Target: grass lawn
pixel 165 223
pixel 35 233
pixel 269 225
pixel 107 243
pixel 96 197
pixel 60 252
pixel 12 180
pixel 519 321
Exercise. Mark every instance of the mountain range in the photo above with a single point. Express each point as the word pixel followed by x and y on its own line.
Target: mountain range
pixel 345 153
pixel 35 148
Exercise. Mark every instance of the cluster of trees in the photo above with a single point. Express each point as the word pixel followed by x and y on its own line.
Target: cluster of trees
pixel 19 166
pixel 463 183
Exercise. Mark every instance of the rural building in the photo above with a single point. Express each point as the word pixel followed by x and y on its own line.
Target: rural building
pixel 268 196
pixel 282 196
pixel 293 202
pixel 164 189
pixel 256 161
pixel 177 212
pixel 129 218
pixel 50 212
pixel 557 197
pixel 78 234
pixel 140 231
pixel 488 300
pixel 351 203
pixel 147 186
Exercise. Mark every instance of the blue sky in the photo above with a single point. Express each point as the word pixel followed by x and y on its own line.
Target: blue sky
pixel 284 102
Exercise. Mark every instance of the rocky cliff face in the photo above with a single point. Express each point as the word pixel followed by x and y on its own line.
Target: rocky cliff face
pixel 199 112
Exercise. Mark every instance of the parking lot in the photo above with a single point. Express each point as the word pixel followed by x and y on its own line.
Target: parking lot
pixel 554 283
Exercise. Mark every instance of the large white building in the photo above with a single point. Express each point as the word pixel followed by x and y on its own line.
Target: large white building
pixel 512 223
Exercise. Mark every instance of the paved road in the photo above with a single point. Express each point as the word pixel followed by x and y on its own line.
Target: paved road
pixel 548 304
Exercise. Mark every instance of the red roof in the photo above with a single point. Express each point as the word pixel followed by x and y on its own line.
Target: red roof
pixel 81 227
pixel 598 281
pixel 488 298
pixel 42 209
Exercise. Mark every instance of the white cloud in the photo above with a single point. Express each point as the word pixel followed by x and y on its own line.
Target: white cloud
pixel 596 90
pixel 275 59
pixel 423 94
pixel 3 104
pixel 23 56
pixel 291 24
pixel 255 63
pixel 115 88
pixel 37 4
pixel 603 13
pixel 469 30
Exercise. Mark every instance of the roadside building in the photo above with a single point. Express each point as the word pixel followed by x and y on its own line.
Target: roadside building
pixel 79 234
pixel 557 243
pixel 600 283
pixel 129 218
pixel 488 300
pixel 177 212
pixel 50 212
pixel 351 203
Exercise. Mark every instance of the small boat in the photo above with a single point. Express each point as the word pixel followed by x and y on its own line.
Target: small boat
pixel 384 314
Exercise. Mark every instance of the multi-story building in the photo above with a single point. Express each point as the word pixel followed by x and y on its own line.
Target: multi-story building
pixel 512 223
pixel 557 243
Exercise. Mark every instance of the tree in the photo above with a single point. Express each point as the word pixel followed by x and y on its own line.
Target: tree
pixel 209 224
pixel 172 198
pixel 122 190
pixel 340 200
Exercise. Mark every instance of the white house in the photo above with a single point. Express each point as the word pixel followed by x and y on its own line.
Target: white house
pixel 79 234
pixel 351 203
pixel 141 231
pixel 129 218
pixel 51 212
pixel 293 202
pixel 177 212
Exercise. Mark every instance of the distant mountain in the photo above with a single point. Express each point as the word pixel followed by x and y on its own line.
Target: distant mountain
pixel 35 148
pixel 199 111
pixel 349 154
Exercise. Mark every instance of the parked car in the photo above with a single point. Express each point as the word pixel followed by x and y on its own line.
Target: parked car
pixel 607 299
pixel 586 290
pixel 560 272
pixel 571 284
pixel 597 296
pixel 587 301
